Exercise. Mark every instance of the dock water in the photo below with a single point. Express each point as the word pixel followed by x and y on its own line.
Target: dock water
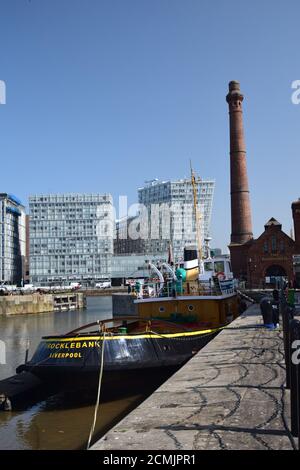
pixel 20 389
pixel 230 395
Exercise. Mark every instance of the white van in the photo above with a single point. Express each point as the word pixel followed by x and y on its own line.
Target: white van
pixel 28 287
pixel 75 285
pixel 103 285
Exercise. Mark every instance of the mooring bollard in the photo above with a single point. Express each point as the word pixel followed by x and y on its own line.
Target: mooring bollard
pixel 267 312
pixel 295 377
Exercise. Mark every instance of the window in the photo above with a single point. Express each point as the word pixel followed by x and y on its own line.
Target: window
pixel 208 266
pixel 273 244
pixel 219 266
pixel 266 247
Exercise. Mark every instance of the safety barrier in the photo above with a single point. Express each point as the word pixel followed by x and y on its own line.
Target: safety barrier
pixel 291 338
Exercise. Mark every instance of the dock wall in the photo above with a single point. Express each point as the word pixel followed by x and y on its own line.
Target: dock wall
pixel 103 292
pixel 40 303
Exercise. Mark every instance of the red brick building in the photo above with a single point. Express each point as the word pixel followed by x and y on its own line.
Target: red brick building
pixel 270 256
pixel 264 260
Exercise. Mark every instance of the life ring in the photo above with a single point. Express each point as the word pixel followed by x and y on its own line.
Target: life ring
pixel 221 276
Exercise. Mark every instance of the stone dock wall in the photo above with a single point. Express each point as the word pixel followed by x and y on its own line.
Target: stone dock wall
pixel 39 303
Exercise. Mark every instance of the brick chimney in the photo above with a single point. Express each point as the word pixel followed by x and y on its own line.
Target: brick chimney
pixel 296 217
pixel 241 225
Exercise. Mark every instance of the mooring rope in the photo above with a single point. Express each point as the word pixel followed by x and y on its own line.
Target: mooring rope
pixel 245 296
pixel 98 393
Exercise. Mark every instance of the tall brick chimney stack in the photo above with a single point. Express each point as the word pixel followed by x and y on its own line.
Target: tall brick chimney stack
pixel 241 225
pixel 296 217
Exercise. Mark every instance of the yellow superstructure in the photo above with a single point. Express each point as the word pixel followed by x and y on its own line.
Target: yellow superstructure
pixel 212 311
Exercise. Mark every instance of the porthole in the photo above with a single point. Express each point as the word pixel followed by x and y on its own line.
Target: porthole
pixel 161 309
pixel 190 308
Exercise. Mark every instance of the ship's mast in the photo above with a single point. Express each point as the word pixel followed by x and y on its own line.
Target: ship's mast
pixel 197 218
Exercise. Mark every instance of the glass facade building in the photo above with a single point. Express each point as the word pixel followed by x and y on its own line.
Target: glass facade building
pixel 123 243
pixel 170 214
pixel 71 238
pixel 12 239
pixel 134 265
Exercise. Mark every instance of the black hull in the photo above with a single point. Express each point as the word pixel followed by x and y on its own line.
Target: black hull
pixel 115 385
pixel 129 362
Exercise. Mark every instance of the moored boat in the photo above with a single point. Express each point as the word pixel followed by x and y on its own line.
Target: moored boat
pixel 178 311
pixel 132 349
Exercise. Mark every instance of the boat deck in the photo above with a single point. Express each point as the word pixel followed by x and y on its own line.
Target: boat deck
pixel 137 327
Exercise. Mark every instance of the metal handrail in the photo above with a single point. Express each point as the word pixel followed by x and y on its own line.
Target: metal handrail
pixel 295 378
pixel 291 338
pixel 199 288
pixel 287 316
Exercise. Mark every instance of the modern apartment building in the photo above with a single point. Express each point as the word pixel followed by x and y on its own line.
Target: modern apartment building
pixel 123 243
pixel 71 238
pixel 12 239
pixel 131 259
pixel 133 266
pixel 169 214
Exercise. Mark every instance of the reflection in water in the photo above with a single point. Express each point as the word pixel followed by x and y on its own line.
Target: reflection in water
pixel 61 421
pixel 16 330
pixel 69 419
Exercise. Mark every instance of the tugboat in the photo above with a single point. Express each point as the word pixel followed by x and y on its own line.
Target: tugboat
pixel 176 315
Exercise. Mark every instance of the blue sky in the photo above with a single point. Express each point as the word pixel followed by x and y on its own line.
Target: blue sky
pixel 104 94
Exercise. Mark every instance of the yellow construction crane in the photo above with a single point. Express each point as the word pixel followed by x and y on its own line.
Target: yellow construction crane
pixel 197 217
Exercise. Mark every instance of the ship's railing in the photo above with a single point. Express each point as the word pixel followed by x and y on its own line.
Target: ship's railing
pixel 171 288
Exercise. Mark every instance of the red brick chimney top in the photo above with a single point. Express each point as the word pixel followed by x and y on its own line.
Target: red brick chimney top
pixel 234 91
pixel 234 85
pixel 296 203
